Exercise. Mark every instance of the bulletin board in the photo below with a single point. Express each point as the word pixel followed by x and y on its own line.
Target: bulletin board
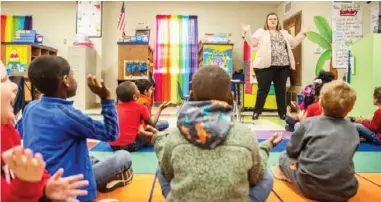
pixel 219 54
pixel 89 18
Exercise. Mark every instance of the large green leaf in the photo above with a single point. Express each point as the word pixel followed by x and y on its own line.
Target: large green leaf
pixel 318 39
pixel 322 25
pixel 321 61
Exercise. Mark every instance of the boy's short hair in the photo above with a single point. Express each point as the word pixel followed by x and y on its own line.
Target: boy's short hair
pixel 45 73
pixel 125 91
pixel 143 85
pixel 211 82
pixel 337 98
pixel 377 94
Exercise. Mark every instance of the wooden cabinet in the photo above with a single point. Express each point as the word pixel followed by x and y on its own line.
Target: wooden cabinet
pixel 82 61
pixel 136 54
pixel 18 56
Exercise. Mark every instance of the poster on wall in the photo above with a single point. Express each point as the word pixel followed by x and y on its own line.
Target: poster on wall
pixel 374 12
pixel 346 29
pixel 89 18
pixel 220 55
pixel 16 59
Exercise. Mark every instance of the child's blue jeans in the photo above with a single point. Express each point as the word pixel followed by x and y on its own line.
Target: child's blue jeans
pixel 369 135
pixel 257 193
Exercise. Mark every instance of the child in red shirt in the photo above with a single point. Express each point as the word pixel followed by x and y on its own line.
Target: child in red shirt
pixel 146 89
pixel 371 130
pixel 23 175
pixel 131 114
pixel 311 102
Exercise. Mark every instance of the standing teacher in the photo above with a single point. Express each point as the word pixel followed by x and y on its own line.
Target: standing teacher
pixel 273 61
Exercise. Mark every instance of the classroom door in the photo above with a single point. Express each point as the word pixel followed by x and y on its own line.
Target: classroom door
pixel 293 25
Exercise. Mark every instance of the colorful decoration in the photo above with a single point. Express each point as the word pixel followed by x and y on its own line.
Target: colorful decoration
pixel 131 66
pixel 176 55
pixel 26 36
pixel 251 86
pixel 11 24
pixel 217 38
pixel 16 58
pixel 218 54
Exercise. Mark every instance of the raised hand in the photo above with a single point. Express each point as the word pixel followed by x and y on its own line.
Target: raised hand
pixel 359 119
pixel 164 105
pixel 306 29
pixel 23 165
pixel 276 139
pixel 148 132
pixel 98 87
pixel 59 188
pixel 302 115
pixel 245 27
pixel 288 109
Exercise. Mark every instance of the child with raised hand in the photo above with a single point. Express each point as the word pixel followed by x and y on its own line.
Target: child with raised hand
pixel 23 175
pixel 131 115
pixel 146 89
pixel 210 157
pixel 370 130
pixel 54 128
pixel 319 156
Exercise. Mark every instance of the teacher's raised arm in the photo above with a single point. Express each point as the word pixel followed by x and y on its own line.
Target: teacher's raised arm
pixel 273 61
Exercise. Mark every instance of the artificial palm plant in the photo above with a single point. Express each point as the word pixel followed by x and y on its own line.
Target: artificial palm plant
pixel 324 40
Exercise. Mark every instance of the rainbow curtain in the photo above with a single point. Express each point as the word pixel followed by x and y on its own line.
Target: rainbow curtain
pixel 176 55
pixel 10 24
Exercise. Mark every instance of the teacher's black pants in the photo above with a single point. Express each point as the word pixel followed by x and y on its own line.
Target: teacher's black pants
pixel 278 75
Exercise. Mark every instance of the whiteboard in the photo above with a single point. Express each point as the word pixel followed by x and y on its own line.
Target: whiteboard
pixel 89 18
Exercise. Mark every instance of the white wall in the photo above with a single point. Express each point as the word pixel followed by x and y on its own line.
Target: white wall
pixel 57 21
pixel 309 11
pixel 213 17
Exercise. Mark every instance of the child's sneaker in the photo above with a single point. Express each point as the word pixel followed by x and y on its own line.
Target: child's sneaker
pixel 117 181
pixel 288 128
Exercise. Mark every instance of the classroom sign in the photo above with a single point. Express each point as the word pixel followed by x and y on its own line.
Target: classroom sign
pixel 346 29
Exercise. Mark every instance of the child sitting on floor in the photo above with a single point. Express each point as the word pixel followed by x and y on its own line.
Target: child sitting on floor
pixel 310 105
pixel 131 114
pixel 146 89
pixel 371 130
pixel 53 127
pixel 319 156
pixel 210 158
pixel 23 175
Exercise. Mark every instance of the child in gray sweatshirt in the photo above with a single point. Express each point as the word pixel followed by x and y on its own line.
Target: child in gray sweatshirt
pixel 318 158
pixel 210 158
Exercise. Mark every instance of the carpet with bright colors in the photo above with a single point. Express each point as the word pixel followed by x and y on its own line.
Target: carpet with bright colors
pixel 145 187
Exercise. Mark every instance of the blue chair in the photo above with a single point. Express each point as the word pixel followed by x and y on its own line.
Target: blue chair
pixel 184 98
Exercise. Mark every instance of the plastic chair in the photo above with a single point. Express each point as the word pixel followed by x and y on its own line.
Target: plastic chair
pixel 184 98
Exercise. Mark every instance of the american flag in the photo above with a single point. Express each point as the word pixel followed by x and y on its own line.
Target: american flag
pixel 122 21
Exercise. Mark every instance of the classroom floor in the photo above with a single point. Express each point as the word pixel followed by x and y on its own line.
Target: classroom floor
pixel 145 187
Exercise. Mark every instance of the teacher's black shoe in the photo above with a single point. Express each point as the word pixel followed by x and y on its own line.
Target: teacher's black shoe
pixel 255 116
pixel 283 117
